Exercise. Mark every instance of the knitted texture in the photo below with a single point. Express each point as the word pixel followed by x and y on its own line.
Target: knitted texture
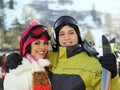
pixel 40 81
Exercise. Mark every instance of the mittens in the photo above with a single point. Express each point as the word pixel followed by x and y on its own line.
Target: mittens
pixel 12 61
pixel 108 61
pixel 40 79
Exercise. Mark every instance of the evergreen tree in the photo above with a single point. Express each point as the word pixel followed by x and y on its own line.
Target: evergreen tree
pixel 88 35
pixel 2 15
pixel 109 28
pixel 96 17
pixel 27 16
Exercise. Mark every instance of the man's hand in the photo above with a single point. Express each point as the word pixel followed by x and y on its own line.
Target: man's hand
pixel 12 61
pixel 108 61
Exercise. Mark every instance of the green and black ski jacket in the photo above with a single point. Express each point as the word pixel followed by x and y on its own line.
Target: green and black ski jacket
pixel 74 69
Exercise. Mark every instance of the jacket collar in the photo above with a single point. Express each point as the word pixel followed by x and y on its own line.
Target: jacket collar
pixel 70 50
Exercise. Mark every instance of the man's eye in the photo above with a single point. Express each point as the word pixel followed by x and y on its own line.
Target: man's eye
pixel 61 34
pixel 71 32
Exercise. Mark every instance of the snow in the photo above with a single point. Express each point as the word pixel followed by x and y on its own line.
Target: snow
pixel 97 33
pixel 105 6
pixel 16 13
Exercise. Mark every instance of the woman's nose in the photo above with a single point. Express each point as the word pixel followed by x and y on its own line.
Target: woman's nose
pixel 42 46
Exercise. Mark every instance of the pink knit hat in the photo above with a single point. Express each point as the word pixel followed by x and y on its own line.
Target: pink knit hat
pixel 39 30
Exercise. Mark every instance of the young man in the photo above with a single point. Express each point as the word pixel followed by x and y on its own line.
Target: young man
pixel 74 66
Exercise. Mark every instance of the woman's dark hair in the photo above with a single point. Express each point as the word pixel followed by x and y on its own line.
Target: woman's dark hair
pixel 28 49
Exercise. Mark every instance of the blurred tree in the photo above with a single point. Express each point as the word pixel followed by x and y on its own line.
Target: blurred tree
pixel 94 13
pixel 4 39
pixel 88 35
pixel 12 41
pixel 27 16
pixel 11 4
pixel 118 40
pixel 2 23
pixel 17 28
pixel 64 2
pixel 96 16
pixel 51 33
pixel 2 15
pixel 49 28
pixel 1 37
pixel 109 28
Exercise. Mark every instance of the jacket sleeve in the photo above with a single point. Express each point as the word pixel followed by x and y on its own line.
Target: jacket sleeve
pixel 115 83
pixel 8 83
pixel 19 78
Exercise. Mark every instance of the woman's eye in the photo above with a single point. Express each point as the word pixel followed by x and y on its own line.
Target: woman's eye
pixel 46 43
pixel 37 43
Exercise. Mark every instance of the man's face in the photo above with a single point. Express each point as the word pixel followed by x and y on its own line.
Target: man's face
pixel 68 36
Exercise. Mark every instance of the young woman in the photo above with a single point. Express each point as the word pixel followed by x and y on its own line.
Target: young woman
pixel 75 66
pixel 31 73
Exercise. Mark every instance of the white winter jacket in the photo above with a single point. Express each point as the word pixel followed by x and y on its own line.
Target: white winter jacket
pixel 21 77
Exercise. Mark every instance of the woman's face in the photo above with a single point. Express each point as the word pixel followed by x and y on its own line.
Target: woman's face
pixel 39 48
pixel 68 36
